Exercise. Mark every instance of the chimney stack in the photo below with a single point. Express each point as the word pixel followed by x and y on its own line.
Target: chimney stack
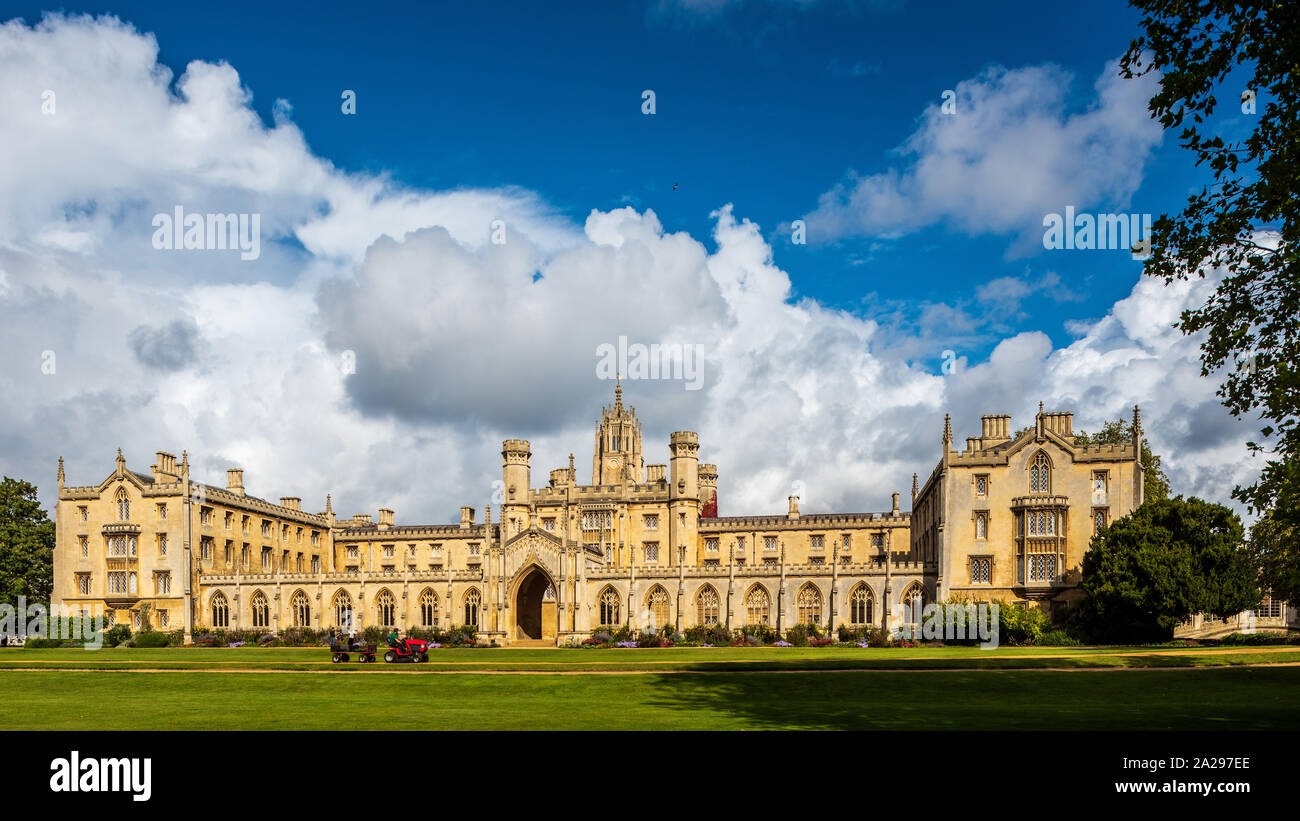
pixel 164 468
pixel 235 481
pixel 794 507
pixel 466 516
pixel 895 510
pixel 385 517
pixel 291 502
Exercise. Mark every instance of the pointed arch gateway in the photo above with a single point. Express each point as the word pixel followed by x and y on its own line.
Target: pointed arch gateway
pixel 534 605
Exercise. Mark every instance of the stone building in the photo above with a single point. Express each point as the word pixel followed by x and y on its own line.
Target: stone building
pixel 642 545
pixel 1010 517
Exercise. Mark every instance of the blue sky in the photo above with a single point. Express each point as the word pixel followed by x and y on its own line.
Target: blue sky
pixel 924 237
pixel 764 105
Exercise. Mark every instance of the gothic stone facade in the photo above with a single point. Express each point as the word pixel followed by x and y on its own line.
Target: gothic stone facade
pixel 641 545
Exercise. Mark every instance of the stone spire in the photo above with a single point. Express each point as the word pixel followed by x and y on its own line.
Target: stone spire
pixel 915 487
pixel 618 394
pixel 61 478
pixel 329 506
pixel 947 430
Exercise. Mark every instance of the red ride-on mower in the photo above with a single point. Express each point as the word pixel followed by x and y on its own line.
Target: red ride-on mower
pixel 415 651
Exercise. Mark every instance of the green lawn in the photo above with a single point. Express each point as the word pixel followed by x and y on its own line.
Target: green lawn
pixel 1228 698
pixel 716 659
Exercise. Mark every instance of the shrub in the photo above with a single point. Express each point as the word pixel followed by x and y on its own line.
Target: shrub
pixel 798 635
pixel 1057 638
pixel 648 639
pixel 117 634
pixel 152 638
pixel 42 644
pixel 760 633
pixel 1022 623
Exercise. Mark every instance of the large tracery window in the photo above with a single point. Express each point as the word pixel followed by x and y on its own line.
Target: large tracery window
pixel 757 606
pixel 861 604
pixel 220 610
pixel 261 610
pixel 1040 474
pixel 657 604
pixel 608 602
pixel 428 608
pixel 386 609
pixel 343 610
pixel 706 605
pixel 472 601
pixel 810 605
pixel 301 609
pixel 913 602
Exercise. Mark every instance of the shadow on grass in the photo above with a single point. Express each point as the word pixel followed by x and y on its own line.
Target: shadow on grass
pixel 1220 698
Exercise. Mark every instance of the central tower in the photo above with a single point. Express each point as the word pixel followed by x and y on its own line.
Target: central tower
pixel 618 445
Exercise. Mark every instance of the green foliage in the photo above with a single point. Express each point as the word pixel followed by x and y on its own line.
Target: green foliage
pixel 1155 483
pixel 152 639
pixel 1275 541
pixel 967 621
pixel 1022 623
pixel 1057 638
pixel 26 545
pixel 1166 560
pixel 799 634
pixel 117 634
pixel 1251 323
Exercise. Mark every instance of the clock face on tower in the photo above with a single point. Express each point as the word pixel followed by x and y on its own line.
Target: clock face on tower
pixel 613 462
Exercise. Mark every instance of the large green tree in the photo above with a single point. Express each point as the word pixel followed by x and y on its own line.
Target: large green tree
pixel 1163 562
pixel 26 544
pixel 1249 52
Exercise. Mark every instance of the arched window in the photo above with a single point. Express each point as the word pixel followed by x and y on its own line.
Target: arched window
pixel 343 610
pixel 706 606
pixel 1040 474
pixel 123 505
pixel 657 604
pixel 428 608
pixel 757 605
pixel 261 610
pixel 472 602
pixel 386 608
pixel 861 605
pixel 220 610
pixel 810 604
pixel 301 609
pixel 609 602
pixel 913 601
